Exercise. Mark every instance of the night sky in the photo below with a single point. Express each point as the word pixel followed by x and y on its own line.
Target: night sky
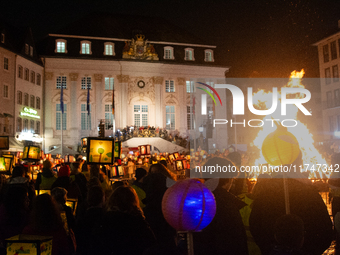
pixel 256 38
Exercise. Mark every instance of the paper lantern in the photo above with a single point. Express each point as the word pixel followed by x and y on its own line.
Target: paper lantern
pixel 179 164
pixel 144 149
pixel 29 244
pixel 69 159
pixel 189 205
pixel 280 147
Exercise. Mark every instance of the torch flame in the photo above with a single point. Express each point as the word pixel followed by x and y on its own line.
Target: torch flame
pixel 310 155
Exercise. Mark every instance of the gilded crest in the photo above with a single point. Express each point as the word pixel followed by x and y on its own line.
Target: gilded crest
pixel 139 48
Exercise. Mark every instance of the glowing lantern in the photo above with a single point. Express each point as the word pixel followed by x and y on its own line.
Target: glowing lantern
pixel 69 159
pixel 280 147
pixel 189 205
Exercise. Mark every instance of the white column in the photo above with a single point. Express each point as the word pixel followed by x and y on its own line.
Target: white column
pixel 158 101
pixel 47 103
pixel 98 95
pixel 182 105
pixel 124 83
pixel 73 109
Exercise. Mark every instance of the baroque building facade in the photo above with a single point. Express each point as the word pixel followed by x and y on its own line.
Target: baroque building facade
pixel 152 77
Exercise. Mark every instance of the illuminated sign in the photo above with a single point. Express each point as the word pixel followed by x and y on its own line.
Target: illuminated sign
pixel 29 112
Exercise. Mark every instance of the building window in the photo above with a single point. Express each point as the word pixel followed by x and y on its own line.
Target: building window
pixel 32 77
pixel 190 86
pixel 169 86
pixel 109 82
pixel 85 47
pixel 208 56
pixel 190 118
pixel 26 99
pixel 5 91
pixel 86 83
pixel 189 54
pixel 31 51
pixel 108 116
pixel 27 74
pixel 336 97
pixel 20 72
pixel 25 125
pixel 85 117
pixel 329 99
pixel 32 101
pixel 328 75
pixel 32 126
pixel 61 80
pixel 19 97
pixel 140 115
pixel 60 46
pixel 19 124
pixel 334 54
pixel 37 129
pixel 170 117
pixel 335 73
pixel 2 37
pixel 58 117
pixel 6 63
pixel 27 49
pixel 109 49
pixel 38 103
pixel 325 53
pixel 168 52
pixel 38 79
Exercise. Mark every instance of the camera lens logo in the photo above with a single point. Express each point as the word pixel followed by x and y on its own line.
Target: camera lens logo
pixel 204 97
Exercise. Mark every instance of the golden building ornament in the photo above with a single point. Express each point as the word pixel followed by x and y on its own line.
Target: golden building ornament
pixel 139 48
pixel 73 76
pixel 123 78
pixel 158 80
pixel 98 77
pixel 181 81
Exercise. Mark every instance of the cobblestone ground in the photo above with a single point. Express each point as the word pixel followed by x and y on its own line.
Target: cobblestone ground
pixel 325 197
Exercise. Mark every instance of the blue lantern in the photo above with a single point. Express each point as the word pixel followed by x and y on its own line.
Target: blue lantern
pixel 189 205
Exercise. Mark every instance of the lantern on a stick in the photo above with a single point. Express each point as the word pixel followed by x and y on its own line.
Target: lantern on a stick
pixel 280 147
pixel 189 206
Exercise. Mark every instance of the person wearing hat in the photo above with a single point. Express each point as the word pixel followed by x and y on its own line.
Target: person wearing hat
pixel 138 185
pixel 46 178
pixel 64 181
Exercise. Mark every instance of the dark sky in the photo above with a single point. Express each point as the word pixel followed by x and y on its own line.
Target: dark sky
pixel 256 38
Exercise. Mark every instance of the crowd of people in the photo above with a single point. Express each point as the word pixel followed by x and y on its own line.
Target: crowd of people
pixel 125 217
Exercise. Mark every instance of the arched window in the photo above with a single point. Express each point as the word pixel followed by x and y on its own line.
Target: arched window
pixel 109 49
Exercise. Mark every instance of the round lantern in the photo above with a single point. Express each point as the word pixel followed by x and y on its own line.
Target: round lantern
pixel 189 205
pixel 280 147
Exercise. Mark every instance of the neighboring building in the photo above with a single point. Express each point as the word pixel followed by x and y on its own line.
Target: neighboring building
pixel 329 64
pixel 150 65
pixel 21 80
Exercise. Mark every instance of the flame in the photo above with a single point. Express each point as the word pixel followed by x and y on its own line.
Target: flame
pixel 309 153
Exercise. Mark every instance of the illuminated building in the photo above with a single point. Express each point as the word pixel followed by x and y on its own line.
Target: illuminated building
pixel 148 62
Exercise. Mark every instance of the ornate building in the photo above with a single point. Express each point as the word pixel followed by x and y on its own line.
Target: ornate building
pixel 150 65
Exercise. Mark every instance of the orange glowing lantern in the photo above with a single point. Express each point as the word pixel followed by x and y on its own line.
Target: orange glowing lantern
pixel 280 147
pixel 69 159
pixel 144 149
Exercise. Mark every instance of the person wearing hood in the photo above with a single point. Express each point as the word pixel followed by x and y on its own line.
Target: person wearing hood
pixel 46 178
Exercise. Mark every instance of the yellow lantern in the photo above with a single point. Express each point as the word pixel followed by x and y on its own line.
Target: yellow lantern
pixel 280 147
